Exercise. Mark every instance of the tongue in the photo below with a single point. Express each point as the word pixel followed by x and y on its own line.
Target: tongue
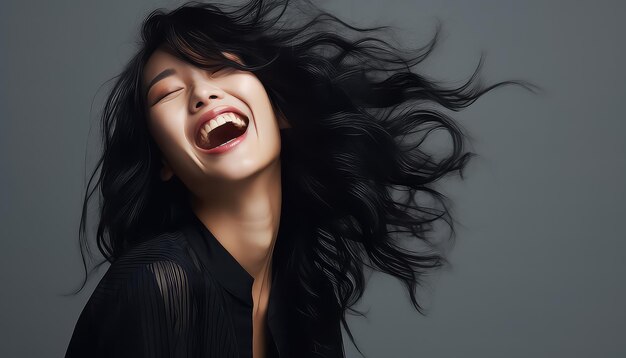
pixel 219 136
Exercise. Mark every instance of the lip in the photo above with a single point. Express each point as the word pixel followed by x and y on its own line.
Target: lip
pixel 227 146
pixel 211 114
pixel 214 112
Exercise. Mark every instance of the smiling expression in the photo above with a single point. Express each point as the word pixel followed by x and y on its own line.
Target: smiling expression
pixel 181 97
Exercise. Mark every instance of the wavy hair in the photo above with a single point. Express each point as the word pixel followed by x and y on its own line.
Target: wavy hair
pixel 354 161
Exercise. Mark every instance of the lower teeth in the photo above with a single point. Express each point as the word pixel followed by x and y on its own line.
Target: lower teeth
pixel 205 143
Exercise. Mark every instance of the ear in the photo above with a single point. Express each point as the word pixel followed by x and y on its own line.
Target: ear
pixel 166 170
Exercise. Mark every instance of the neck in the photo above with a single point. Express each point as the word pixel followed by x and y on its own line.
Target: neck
pixel 244 217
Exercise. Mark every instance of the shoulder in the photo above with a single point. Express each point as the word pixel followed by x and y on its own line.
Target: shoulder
pixel 157 278
pixel 152 299
pixel 168 246
pixel 161 264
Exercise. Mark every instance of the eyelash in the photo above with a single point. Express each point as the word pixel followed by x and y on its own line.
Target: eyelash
pixel 167 94
pixel 219 69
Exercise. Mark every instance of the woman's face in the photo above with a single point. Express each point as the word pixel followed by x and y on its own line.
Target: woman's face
pixel 181 103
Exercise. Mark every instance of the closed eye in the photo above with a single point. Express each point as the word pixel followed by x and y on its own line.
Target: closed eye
pixel 166 95
pixel 217 69
pixel 220 69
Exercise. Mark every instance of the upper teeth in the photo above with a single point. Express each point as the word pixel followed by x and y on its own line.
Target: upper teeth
pixel 218 121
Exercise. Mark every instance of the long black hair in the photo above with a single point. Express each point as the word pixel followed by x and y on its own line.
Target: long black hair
pixel 354 161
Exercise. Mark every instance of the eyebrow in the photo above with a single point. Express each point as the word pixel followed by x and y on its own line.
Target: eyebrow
pixel 165 73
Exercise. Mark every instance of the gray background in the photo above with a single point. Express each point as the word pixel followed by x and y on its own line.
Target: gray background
pixel 539 261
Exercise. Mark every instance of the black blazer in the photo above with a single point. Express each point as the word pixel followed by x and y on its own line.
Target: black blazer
pixel 182 294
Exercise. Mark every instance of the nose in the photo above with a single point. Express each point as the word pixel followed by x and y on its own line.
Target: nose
pixel 204 94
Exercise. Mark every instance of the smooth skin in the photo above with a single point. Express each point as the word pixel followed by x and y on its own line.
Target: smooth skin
pixel 236 194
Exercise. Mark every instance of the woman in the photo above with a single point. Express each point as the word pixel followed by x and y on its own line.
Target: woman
pixel 247 178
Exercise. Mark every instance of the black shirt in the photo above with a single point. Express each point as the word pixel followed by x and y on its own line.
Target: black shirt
pixel 182 294
pixel 237 283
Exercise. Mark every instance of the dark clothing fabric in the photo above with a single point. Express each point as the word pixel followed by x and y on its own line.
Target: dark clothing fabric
pixel 182 294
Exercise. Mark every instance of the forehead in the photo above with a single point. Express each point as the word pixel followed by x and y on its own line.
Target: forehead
pixel 160 60
pixel 163 58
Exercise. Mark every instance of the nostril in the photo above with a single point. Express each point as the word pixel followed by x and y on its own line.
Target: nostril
pixel 200 102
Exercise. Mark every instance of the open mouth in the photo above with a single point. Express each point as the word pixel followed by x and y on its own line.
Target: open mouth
pixel 221 130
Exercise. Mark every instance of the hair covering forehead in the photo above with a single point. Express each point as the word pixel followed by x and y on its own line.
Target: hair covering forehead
pixel 190 33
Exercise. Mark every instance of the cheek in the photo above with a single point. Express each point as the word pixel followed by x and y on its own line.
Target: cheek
pixel 166 131
pixel 251 91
